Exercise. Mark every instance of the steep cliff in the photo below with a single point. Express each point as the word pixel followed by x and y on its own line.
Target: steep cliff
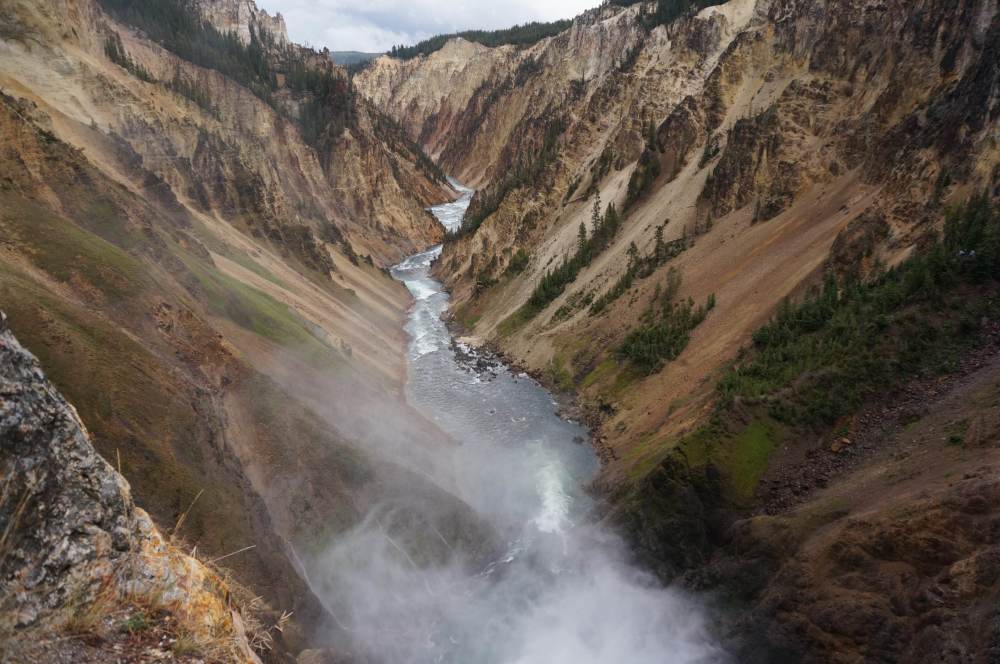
pixel 751 138
pixel 244 19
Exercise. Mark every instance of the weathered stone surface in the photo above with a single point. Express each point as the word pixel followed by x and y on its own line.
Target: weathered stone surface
pixel 71 534
pixel 66 515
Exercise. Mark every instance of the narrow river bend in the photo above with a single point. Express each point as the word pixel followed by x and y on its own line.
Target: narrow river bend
pixel 555 587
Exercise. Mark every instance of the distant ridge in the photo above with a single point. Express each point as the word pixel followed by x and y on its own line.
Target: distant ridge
pixel 346 58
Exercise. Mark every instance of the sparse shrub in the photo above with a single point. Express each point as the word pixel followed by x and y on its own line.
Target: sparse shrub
pixel 667 331
pixel 137 623
pixel 518 263
pixel 710 152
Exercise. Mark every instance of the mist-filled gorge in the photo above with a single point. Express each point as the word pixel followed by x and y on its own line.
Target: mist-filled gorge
pixel 537 580
pixel 694 359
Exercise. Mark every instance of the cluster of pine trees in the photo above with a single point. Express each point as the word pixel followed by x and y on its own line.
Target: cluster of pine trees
pixel 647 170
pixel 849 339
pixel 667 331
pixel 519 35
pixel 190 90
pixel 116 52
pixel 589 245
pixel 640 267
pixel 668 11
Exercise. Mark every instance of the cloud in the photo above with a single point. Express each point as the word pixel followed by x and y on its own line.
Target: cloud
pixel 377 25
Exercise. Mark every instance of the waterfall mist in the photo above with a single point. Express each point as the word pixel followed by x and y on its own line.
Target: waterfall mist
pixel 504 564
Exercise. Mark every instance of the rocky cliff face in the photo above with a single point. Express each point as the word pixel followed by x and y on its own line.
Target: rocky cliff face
pixel 243 18
pixel 204 135
pixel 764 129
pixel 76 551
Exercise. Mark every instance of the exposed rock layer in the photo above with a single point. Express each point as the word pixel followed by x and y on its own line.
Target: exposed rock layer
pixel 71 533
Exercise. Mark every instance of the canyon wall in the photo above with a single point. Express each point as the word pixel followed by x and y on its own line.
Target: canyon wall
pixel 752 151
pixel 205 279
pixel 768 133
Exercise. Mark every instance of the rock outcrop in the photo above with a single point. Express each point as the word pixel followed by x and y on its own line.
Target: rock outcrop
pixel 243 18
pixel 72 536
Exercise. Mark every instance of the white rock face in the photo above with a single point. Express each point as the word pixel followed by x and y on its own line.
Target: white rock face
pixel 242 16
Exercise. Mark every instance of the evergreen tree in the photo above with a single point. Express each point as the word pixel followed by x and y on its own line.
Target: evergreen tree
pixel 633 256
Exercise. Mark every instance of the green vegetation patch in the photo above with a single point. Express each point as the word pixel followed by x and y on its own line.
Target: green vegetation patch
pixel 748 459
pixel 819 359
pixel 65 251
pixel 666 329
pixel 258 312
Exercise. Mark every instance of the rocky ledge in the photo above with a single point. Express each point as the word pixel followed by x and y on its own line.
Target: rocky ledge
pixel 75 551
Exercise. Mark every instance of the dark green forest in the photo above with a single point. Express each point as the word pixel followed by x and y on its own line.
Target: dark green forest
pixel 519 35
pixel 667 11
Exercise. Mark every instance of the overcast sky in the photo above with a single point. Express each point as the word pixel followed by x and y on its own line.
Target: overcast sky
pixel 376 25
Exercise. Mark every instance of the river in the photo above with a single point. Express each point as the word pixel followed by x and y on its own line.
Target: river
pixel 556 587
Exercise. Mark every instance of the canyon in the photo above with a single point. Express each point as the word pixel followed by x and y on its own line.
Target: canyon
pixel 750 151
pixel 679 222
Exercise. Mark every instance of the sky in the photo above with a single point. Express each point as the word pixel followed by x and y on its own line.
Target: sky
pixel 377 25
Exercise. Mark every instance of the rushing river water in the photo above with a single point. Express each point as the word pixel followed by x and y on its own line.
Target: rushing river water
pixel 555 588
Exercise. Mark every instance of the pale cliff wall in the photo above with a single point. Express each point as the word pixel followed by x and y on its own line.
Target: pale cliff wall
pixel 793 114
pixel 243 17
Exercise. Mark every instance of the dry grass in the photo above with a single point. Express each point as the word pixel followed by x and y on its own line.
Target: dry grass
pixel 86 614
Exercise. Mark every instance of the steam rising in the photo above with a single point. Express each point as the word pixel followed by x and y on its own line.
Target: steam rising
pixel 501 565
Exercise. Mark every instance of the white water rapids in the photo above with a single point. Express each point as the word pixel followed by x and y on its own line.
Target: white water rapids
pixel 555 587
